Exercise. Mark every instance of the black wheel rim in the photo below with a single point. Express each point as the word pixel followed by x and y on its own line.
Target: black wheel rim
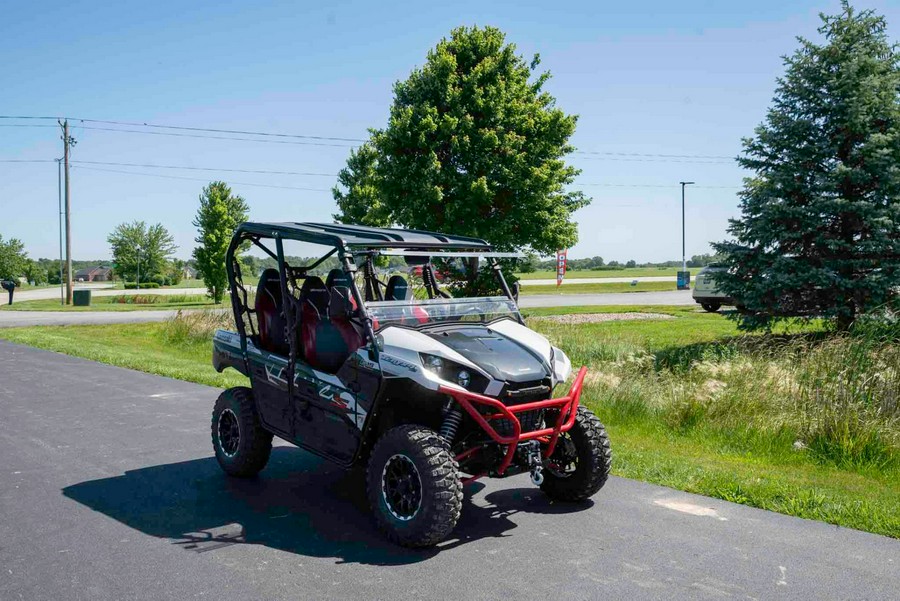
pixel 564 460
pixel 229 433
pixel 401 487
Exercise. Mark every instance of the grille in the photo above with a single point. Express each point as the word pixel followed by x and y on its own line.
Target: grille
pixel 517 394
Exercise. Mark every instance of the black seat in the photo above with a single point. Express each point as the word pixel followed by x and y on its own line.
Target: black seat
pixel 397 288
pixel 270 313
pixel 337 277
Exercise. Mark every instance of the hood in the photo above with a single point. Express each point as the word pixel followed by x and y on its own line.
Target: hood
pixel 497 354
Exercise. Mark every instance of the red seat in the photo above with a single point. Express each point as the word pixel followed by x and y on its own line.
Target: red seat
pixel 270 313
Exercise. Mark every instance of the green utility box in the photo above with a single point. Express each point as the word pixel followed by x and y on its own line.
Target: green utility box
pixel 81 298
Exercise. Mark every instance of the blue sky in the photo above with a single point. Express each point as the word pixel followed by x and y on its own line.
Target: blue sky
pixel 651 77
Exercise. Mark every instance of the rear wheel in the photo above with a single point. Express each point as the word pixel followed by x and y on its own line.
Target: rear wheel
pixel 580 464
pixel 241 444
pixel 711 307
pixel 414 487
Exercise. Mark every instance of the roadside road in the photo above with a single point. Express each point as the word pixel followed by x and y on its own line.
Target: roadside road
pixel 568 280
pixel 105 289
pixel 109 490
pixel 12 319
pixel 99 289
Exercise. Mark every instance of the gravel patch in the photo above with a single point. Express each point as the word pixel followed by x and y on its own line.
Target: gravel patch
pixel 576 318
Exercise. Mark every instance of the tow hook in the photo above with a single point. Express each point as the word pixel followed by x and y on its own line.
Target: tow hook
pixel 537 475
pixel 535 463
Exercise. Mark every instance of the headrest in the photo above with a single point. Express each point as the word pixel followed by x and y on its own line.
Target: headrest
pixel 337 277
pixel 270 283
pixel 315 294
pixel 397 288
pixel 340 305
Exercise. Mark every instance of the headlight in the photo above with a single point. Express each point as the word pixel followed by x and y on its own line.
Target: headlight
pixel 453 372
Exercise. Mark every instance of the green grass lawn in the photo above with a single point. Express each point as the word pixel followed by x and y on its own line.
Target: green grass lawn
pixel 188 284
pixel 120 285
pixel 529 289
pixel 125 302
pixel 689 402
pixel 30 287
pixel 148 347
pixel 634 272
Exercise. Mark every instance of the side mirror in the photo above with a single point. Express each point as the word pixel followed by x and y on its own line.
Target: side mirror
pixel 515 291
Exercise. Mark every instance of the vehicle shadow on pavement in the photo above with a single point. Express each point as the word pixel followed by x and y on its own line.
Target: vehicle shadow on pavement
pixel 299 504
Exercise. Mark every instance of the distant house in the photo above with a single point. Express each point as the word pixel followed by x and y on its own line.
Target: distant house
pixel 94 274
pixel 189 273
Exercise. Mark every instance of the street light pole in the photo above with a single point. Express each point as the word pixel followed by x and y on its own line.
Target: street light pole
pixel 683 253
pixel 138 281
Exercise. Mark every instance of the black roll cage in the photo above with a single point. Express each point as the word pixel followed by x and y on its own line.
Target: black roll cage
pixel 348 242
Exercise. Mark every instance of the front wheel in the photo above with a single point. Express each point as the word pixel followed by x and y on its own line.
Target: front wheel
pixel 711 307
pixel 581 461
pixel 414 487
pixel 241 444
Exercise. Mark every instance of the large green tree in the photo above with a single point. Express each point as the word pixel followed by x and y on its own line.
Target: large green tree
pixel 819 232
pixel 13 259
pixel 474 146
pixel 219 214
pixel 357 194
pixel 141 252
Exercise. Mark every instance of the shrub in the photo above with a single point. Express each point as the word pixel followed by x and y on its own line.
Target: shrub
pixel 144 285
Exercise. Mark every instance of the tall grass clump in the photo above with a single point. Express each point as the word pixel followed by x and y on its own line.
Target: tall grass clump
pixel 848 402
pixel 157 299
pixel 195 327
pixel 827 397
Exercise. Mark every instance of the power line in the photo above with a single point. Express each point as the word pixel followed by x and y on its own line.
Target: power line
pixel 667 156
pixel 153 166
pixel 650 159
pixel 201 129
pixel 200 179
pixel 206 137
pixel 27 160
pixel 601 155
pixel 651 186
pixel 80 163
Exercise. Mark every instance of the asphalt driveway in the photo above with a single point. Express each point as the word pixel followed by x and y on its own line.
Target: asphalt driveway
pixel 108 490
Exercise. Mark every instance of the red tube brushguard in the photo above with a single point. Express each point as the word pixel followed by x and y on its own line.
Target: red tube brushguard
pixel 567 405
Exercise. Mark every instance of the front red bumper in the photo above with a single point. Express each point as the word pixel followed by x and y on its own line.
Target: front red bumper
pixel 567 406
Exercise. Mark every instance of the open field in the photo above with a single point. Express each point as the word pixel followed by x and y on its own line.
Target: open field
pixel 802 422
pixel 124 302
pixel 633 272
pixel 599 288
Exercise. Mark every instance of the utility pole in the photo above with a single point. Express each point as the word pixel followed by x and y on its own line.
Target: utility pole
pixel 68 142
pixel 684 277
pixel 62 289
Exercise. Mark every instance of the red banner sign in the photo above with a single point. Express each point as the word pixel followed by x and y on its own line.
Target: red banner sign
pixel 560 266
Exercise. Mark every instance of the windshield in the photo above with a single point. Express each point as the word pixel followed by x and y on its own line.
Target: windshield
pixel 416 313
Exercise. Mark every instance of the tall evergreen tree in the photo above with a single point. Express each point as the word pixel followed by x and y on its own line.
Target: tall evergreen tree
pixel 819 233
pixel 219 214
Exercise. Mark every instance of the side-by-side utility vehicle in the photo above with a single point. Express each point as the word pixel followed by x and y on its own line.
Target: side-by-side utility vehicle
pixel 389 363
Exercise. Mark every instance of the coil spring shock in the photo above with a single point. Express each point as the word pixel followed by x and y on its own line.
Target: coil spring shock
pixel 451 424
